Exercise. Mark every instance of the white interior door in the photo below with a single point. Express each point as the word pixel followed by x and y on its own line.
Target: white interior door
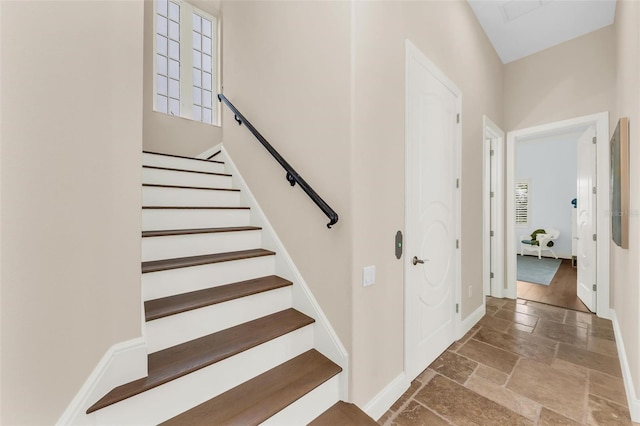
pixel 494 227
pixel 431 254
pixel 495 231
pixel 586 219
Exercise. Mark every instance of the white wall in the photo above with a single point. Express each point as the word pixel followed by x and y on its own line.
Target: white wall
pixel 550 166
pixel 71 136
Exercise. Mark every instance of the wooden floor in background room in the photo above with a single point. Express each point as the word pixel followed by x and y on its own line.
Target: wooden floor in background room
pixel 560 292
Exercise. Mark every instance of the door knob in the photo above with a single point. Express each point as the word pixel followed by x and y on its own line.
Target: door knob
pixel 415 260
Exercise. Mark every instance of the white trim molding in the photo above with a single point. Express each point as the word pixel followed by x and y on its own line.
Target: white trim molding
pixel 632 398
pixel 472 319
pixel 380 403
pixel 122 363
pixel 326 340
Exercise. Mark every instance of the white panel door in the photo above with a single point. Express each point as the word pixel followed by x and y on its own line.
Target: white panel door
pixel 586 219
pixel 431 256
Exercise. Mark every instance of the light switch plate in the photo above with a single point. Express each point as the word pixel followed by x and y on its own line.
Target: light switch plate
pixel 368 275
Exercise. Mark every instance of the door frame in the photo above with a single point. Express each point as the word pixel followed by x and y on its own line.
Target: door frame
pixel 603 226
pixel 495 133
pixel 411 51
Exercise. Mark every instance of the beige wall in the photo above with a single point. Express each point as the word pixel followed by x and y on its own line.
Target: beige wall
pixel 625 276
pixel 450 36
pixel 332 102
pixel 164 133
pixel 570 80
pixel 290 78
pixel 71 114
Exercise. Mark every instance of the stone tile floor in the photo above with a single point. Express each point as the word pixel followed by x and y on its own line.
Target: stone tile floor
pixel 524 363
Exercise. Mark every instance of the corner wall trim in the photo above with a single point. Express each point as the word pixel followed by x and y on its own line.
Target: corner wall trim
pixel 122 363
pixel 632 398
pixel 380 403
pixel 472 319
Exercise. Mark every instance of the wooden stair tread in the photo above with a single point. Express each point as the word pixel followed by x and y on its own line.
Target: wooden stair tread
pixel 343 413
pixel 256 400
pixel 166 306
pixel 170 232
pixel 177 361
pixel 181 156
pixel 157 185
pixel 184 262
pixel 185 170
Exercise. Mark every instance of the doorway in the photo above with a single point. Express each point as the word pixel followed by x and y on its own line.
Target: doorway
pixel 432 222
pixel 593 231
pixel 547 200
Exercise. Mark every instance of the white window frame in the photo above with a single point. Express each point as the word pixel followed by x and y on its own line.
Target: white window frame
pixel 186 61
pixel 527 207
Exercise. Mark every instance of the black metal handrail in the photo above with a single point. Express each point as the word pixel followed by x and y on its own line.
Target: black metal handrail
pixel 292 176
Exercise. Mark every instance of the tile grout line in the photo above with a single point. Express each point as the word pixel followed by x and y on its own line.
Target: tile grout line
pixel 435 373
pixel 510 392
pixel 537 412
pixel 473 373
pixel 409 398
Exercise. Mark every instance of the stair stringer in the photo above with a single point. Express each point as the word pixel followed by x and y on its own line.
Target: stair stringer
pixel 326 339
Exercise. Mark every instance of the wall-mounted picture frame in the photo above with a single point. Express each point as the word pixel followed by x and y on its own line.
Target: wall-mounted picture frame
pixel 619 145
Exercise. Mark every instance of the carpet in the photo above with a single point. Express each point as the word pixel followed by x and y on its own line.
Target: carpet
pixel 537 271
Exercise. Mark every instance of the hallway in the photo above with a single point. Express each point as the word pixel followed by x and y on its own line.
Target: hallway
pixel 524 363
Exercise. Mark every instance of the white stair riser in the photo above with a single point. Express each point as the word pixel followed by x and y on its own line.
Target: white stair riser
pixel 181 163
pixel 159 219
pixel 182 280
pixel 310 406
pixel 172 246
pixel 175 329
pixel 171 177
pixel 159 196
pixel 164 402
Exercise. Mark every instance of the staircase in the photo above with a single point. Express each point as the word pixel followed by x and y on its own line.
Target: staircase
pixel 225 343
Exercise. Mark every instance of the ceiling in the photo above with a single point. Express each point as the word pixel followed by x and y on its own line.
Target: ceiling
pixel 518 28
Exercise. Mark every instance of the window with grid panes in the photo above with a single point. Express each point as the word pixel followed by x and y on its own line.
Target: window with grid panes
pixel 185 63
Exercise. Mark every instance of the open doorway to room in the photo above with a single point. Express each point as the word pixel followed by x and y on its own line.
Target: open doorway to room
pixel 545 218
pixel 549 168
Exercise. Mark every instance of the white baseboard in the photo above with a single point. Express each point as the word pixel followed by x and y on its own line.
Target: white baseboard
pixel 632 399
pixel 387 397
pixel 472 320
pixel 398 386
pixel 122 363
